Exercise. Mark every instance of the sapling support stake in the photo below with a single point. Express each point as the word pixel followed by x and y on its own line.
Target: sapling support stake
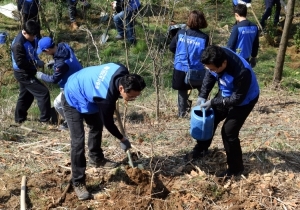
pixel 23 193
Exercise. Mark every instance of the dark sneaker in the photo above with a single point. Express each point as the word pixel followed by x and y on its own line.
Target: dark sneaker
pixel 81 191
pixel 104 163
pixel 228 174
pixel 63 126
pixel 194 154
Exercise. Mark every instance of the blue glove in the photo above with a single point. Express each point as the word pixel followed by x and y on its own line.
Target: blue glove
pixel 200 101
pixel 125 144
pixel 39 63
pixel 39 74
pixel 206 105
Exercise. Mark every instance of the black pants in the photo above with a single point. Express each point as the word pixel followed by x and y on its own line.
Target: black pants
pixel 234 120
pixel 76 128
pixel 184 105
pixel 268 11
pixel 30 88
pixel 72 9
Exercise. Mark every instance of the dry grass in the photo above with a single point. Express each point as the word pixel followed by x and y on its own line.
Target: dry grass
pixel 269 141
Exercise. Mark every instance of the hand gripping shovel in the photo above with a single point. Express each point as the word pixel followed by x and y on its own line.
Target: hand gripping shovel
pixel 140 166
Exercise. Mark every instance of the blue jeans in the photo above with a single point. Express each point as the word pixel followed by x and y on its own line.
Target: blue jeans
pixel 76 128
pixel 268 11
pixel 128 27
pixel 72 9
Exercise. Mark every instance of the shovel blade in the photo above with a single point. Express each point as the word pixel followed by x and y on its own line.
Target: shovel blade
pixel 104 38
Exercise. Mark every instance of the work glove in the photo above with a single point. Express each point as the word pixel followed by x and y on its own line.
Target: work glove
pixel 39 74
pixel 125 144
pixel 252 62
pixel 248 5
pixel 39 63
pixel 206 105
pixel 50 64
pixel 200 101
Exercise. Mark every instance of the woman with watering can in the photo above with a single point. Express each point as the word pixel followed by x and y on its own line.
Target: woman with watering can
pixel 238 94
pixel 187 47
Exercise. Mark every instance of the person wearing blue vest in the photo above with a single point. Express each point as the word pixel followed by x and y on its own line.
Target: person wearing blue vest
pixel 29 10
pixel 237 96
pixel 244 37
pixel 268 11
pixel 25 64
pixel 124 18
pixel 197 41
pixel 65 64
pixel 91 94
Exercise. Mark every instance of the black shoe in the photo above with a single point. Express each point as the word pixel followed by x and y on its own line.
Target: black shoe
pixel 103 163
pixel 195 154
pixel 228 174
pixel 81 191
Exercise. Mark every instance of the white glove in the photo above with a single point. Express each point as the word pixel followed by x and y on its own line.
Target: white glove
pixel 248 5
pixel 39 74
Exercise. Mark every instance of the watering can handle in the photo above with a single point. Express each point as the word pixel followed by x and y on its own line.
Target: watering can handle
pixel 204 119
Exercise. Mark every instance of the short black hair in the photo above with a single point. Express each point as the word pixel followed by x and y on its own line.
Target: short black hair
pixel 241 10
pixel 31 27
pixel 213 55
pixel 132 82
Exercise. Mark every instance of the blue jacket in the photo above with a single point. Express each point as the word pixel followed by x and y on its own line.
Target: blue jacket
pixel 244 39
pixel 235 2
pixel 237 83
pixel 197 41
pixel 96 89
pixel 23 53
pixel 65 64
pixel 29 6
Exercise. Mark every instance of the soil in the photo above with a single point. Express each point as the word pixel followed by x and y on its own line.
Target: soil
pixel 271 179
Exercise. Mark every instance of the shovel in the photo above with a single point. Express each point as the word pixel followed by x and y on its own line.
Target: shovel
pixel 104 37
pixel 133 165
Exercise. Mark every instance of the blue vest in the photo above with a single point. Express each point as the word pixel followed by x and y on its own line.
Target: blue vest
pixel 226 84
pixel 235 2
pixel 245 40
pixel 195 46
pixel 90 82
pixel 73 64
pixel 133 5
pixel 30 53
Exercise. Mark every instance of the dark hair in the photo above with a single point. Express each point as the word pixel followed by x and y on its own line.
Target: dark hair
pixel 196 20
pixel 241 10
pixel 213 55
pixel 31 27
pixel 132 82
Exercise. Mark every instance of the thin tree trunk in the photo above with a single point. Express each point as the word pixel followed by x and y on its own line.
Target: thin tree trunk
pixel 283 43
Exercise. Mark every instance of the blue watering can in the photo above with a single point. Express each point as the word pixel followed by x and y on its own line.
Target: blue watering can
pixel 202 123
pixel 3 36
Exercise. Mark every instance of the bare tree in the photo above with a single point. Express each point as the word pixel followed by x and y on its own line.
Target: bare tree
pixel 283 43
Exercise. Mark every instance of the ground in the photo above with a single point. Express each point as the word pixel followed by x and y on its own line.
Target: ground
pixel 269 140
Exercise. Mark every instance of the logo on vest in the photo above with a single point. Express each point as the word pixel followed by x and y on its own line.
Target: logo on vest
pixel 101 76
pixel 222 82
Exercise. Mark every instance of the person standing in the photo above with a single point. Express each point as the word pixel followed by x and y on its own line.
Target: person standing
pixel 238 94
pixel 124 18
pixel 65 64
pixel 244 37
pixel 269 4
pixel 25 64
pixel 91 94
pixel 197 41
